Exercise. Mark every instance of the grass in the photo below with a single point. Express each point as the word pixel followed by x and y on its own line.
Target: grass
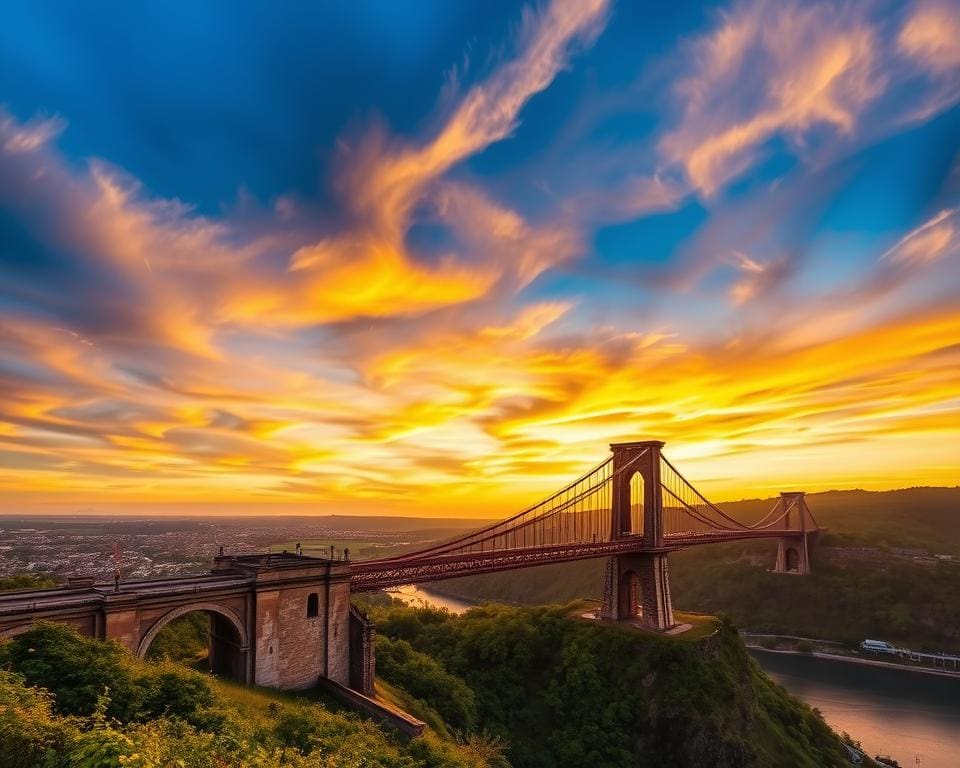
pixel 702 625
pixel 252 701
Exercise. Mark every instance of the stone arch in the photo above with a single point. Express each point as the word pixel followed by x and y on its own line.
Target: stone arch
pixel 226 654
pixel 792 558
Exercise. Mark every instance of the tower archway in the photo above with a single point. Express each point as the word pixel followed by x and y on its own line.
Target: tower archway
pixel 630 596
pixel 636 504
pixel 792 556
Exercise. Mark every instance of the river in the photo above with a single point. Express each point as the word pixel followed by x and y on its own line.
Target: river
pixel 416 596
pixel 899 713
pixel 896 712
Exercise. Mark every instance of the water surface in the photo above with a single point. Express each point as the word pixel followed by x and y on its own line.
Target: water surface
pixel 419 597
pixel 907 715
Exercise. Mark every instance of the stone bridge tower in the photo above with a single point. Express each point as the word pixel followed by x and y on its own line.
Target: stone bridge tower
pixel 637 585
pixel 793 552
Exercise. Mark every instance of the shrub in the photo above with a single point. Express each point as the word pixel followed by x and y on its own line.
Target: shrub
pixel 428 680
pixel 30 734
pixel 80 672
pixel 27 581
pixel 76 670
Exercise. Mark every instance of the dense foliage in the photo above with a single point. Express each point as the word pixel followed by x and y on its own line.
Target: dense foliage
pixel 71 702
pixel 183 639
pixel 26 581
pixel 562 691
pixel 428 680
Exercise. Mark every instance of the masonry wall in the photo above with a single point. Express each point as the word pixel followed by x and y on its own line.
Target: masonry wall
pixel 267 667
pixel 122 621
pixel 87 624
pixel 362 656
pixel 339 655
pixel 300 643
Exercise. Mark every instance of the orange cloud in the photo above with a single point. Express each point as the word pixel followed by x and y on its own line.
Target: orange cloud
pixel 931 35
pixel 769 69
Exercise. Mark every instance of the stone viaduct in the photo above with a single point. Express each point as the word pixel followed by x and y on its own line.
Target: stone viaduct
pixel 279 620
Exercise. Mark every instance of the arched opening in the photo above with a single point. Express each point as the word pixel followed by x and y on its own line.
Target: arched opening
pixel 636 504
pixel 630 594
pixel 313 605
pixel 204 635
pixel 793 559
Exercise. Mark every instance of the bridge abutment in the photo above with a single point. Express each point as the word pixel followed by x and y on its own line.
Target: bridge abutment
pixel 121 620
pixel 302 614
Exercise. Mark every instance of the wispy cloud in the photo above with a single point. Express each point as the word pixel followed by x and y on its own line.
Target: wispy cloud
pixel 931 35
pixel 791 71
pixel 928 242
pixel 770 69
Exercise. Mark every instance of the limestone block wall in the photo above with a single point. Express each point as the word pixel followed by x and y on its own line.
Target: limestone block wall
pixel 267 645
pixel 122 622
pixel 339 655
pixel 300 638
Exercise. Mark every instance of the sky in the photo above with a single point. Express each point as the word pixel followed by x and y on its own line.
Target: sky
pixel 432 258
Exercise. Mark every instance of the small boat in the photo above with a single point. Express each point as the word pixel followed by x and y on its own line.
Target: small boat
pixel 887 760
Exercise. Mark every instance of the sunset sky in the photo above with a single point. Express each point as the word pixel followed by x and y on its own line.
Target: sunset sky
pixel 432 257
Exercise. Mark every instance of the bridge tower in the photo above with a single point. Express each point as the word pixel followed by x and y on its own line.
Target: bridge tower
pixel 637 585
pixel 793 551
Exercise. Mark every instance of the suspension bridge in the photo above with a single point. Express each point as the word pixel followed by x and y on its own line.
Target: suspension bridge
pixel 634 508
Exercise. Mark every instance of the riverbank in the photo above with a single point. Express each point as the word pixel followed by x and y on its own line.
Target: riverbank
pixel 856 660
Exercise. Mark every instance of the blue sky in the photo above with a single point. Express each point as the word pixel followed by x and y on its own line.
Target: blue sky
pixel 336 254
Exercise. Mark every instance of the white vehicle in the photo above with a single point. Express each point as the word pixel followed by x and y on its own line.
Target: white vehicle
pixel 877 646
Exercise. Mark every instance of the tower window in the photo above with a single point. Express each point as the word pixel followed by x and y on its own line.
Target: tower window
pixel 313 606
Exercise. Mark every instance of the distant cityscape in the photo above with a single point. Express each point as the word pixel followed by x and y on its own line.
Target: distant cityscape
pixel 155 548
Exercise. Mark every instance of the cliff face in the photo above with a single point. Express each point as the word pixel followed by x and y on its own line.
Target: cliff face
pixel 563 691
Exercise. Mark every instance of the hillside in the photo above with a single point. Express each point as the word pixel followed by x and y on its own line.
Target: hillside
pixel 71 702
pixel 562 691
pixel 863 583
pixel 916 518
pixel 499 687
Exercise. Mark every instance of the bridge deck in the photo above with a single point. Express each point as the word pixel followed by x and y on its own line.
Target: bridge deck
pixel 28 601
pixel 368 575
